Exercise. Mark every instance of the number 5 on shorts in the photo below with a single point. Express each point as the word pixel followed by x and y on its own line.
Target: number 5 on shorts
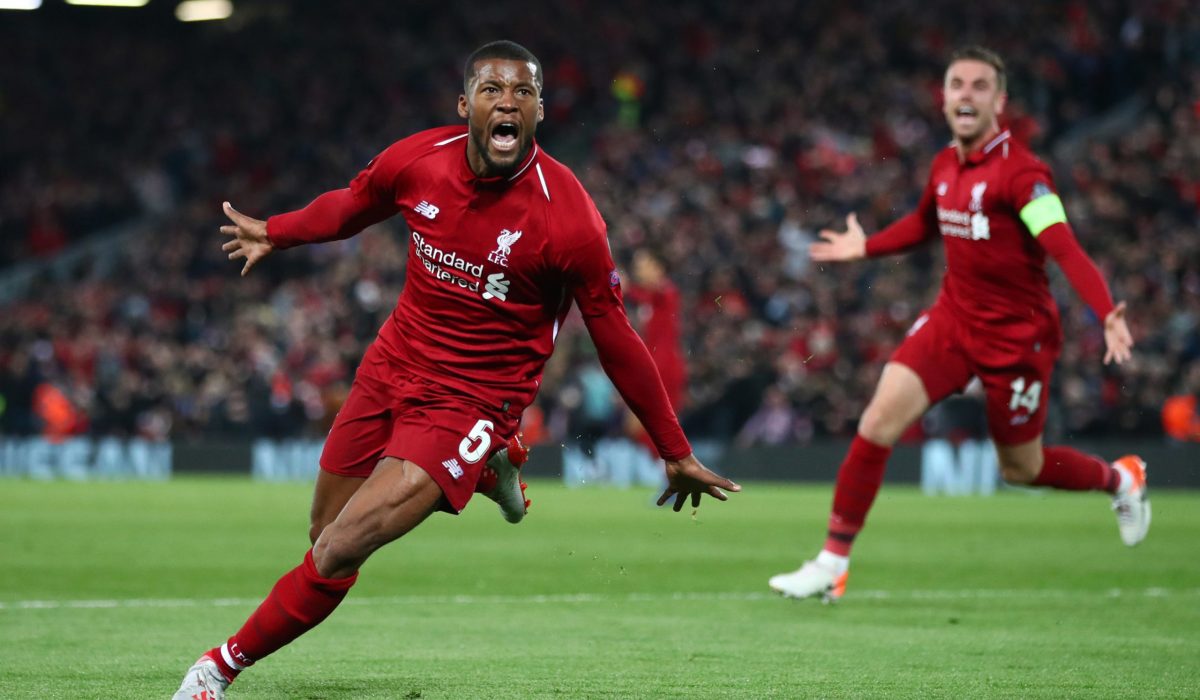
pixel 1023 397
pixel 475 445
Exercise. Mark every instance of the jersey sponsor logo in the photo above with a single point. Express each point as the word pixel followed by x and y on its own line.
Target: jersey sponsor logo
pixel 427 210
pixel 497 287
pixel 453 467
pixel 614 278
pixel 447 265
pixel 981 228
pixel 963 224
pixel 1040 189
pixel 504 244
pixel 973 224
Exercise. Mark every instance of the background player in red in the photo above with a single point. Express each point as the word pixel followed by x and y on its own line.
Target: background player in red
pixel 994 204
pixel 502 240
pixel 655 303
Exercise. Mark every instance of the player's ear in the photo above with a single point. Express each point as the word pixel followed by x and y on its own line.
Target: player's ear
pixel 541 110
pixel 1001 101
pixel 462 107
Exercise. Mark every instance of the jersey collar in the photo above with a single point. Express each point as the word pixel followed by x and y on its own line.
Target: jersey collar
pixel 501 180
pixel 982 154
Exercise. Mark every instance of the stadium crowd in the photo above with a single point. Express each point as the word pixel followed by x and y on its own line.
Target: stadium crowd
pixel 720 137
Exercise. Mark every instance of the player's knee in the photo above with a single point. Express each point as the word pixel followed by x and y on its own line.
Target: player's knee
pixel 318 521
pixel 878 426
pixel 1015 471
pixel 336 555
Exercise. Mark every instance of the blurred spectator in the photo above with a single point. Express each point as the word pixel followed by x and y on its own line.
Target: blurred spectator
pixel 1180 418
pixel 775 423
pixel 754 128
pixel 18 383
pixel 655 314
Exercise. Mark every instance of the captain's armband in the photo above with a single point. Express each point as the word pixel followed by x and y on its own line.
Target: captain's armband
pixel 1042 213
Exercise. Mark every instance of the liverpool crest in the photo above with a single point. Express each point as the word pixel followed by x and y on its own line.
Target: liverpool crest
pixel 504 244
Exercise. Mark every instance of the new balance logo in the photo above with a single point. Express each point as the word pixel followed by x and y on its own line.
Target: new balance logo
pixel 497 287
pixel 427 210
pixel 452 466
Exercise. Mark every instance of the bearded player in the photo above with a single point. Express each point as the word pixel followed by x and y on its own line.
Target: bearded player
pixel 503 239
pixel 994 205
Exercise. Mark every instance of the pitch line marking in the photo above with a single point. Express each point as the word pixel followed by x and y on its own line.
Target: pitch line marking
pixel 587 598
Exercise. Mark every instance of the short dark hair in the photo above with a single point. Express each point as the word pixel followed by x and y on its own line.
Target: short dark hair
pixel 979 53
pixel 503 49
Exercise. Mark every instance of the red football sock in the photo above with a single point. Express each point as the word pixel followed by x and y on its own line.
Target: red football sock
pixel 1071 470
pixel 858 481
pixel 300 600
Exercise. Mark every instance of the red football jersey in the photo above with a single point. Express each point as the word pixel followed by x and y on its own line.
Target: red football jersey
pixel 995 269
pixel 493 264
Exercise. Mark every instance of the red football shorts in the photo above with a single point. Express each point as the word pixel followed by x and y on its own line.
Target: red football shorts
pixel 1014 365
pixel 391 412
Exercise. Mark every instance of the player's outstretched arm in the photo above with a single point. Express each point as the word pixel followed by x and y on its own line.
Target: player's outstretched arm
pixel 628 364
pixel 841 246
pixel 249 238
pixel 688 477
pixel 1118 341
pixel 1059 241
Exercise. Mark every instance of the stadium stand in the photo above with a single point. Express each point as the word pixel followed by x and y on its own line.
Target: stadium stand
pixel 723 149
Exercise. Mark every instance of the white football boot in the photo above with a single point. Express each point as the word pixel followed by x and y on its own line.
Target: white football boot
pixel 202 682
pixel 501 480
pixel 814 579
pixel 1131 503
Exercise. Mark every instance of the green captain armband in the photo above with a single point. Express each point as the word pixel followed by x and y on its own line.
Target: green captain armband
pixel 1042 213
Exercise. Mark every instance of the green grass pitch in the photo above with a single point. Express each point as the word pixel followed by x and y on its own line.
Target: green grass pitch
pixel 111 590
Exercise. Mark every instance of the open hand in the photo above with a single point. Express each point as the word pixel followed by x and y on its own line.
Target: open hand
pixel 837 246
pixel 249 238
pixel 689 477
pixel 1118 341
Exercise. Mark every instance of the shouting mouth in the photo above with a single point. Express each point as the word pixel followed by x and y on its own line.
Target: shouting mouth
pixel 504 136
pixel 966 114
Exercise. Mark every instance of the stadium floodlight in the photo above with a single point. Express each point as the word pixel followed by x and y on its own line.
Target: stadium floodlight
pixel 203 10
pixel 109 3
pixel 20 4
